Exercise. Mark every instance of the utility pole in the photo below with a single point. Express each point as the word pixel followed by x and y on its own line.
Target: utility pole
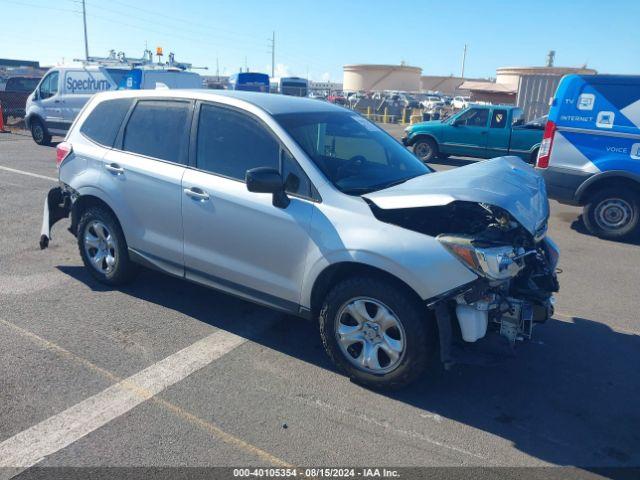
pixel 84 21
pixel 217 70
pixel 273 54
pixel 464 59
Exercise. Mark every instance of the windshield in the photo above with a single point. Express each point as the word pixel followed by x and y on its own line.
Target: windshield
pixel 353 153
pixel 118 75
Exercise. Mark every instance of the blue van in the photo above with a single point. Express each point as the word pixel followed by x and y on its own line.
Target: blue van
pixel 590 151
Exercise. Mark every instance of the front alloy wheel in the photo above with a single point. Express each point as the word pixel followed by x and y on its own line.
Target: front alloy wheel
pixel 370 335
pixel 376 331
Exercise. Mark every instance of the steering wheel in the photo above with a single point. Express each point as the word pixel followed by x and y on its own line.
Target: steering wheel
pixel 351 166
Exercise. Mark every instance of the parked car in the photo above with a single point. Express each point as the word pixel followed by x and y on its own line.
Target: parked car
pixel 337 98
pixel 312 210
pixel 14 96
pixel 405 100
pixel 590 154
pixel 460 102
pixel 432 102
pixel 482 131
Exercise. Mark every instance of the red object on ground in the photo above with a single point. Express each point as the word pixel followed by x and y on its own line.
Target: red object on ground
pixel 2 130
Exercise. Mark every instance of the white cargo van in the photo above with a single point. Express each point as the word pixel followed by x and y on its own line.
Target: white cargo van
pixel 64 91
pixel 60 96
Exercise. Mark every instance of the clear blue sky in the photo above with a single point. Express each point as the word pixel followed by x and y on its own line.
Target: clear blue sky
pixel 318 37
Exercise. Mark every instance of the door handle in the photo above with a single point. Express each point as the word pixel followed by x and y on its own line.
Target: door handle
pixel 196 193
pixel 114 168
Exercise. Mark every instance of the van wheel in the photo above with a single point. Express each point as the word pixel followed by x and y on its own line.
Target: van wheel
pixel 375 332
pixel 39 133
pixel 613 213
pixel 103 247
pixel 425 149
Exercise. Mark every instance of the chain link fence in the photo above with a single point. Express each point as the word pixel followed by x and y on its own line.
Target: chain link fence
pixel 12 105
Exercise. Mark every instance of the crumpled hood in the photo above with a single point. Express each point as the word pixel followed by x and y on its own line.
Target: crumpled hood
pixel 505 182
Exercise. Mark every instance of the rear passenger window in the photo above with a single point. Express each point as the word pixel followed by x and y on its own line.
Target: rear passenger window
pixel 499 119
pixel 104 121
pixel 158 129
pixel 230 143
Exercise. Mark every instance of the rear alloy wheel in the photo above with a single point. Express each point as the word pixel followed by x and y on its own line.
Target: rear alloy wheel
pixel 103 247
pixel 425 149
pixel 613 213
pixel 375 332
pixel 39 133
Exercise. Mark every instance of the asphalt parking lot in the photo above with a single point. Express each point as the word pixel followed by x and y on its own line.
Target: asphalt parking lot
pixel 270 396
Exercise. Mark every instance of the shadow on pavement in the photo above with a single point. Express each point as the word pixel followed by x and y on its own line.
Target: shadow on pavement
pixel 578 226
pixel 570 397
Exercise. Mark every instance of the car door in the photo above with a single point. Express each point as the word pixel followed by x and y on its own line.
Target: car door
pixel 499 133
pixel 466 134
pixel 236 240
pixel 143 178
pixel 50 103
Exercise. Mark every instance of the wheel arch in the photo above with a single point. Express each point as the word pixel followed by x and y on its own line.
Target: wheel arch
pixel 84 202
pixel 340 271
pixel 613 178
pixel 424 136
pixel 28 120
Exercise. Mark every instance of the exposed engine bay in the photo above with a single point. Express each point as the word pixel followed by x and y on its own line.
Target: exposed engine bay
pixel 516 271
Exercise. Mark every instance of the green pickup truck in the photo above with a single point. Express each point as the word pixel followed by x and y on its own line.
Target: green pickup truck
pixel 483 131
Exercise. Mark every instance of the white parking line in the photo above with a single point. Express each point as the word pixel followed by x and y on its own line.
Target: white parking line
pixel 30 446
pixel 22 172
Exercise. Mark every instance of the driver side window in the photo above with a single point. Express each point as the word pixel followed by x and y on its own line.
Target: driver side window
pixel 474 117
pixel 49 86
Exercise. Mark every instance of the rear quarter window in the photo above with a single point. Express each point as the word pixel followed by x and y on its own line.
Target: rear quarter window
pixel 104 121
pixel 159 129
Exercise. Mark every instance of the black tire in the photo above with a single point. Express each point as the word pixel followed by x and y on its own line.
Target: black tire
pixel 426 149
pixel 39 132
pixel 613 213
pixel 123 269
pixel 443 156
pixel 409 311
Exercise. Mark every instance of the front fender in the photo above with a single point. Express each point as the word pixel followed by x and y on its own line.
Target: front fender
pixel 420 261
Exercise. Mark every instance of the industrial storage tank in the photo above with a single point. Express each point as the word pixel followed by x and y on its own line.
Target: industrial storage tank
pixel 381 77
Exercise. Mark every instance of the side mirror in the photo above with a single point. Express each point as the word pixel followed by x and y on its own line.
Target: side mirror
pixel 267 180
pixel 36 95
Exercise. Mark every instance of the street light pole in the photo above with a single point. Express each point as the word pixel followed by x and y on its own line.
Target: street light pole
pixel 464 59
pixel 273 55
pixel 84 21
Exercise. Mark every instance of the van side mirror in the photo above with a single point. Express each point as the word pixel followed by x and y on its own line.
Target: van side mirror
pixel 268 180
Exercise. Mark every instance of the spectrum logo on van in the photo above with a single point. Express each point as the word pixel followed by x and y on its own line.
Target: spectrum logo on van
pixel 86 83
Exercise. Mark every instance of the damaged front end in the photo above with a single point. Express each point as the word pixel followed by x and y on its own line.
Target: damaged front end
pixel 516 269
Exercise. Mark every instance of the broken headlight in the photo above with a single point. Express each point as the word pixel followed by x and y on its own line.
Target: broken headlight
pixel 493 263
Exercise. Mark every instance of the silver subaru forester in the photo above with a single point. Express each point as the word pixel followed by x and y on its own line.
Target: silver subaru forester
pixel 311 209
